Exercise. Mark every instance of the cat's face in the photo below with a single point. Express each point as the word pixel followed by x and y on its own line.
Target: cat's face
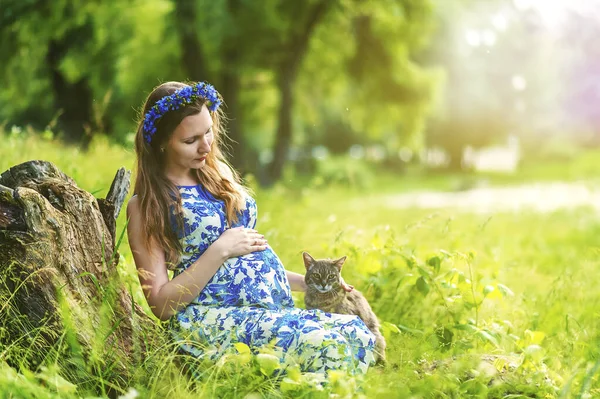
pixel 322 275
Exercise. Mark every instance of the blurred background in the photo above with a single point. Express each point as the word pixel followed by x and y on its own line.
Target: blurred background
pixel 318 87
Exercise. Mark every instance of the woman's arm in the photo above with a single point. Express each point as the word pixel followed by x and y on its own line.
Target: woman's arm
pixel 165 297
pixel 296 280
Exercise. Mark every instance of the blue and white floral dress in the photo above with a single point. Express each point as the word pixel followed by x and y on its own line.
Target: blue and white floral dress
pixel 249 300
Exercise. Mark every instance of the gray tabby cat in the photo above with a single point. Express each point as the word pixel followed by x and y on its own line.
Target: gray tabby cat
pixel 326 292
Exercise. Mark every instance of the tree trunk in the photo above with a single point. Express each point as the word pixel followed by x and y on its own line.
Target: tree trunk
pixel 194 63
pixel 295 49
pixel 230 90
pixel 73 100
pixel 59 285
pixel 230 82
pixel 227 81
pixel 283 139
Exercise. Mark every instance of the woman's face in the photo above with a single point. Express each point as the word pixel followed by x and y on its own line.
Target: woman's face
pixel 190 143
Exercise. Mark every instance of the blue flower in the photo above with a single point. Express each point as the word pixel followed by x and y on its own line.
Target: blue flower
pixel 184 96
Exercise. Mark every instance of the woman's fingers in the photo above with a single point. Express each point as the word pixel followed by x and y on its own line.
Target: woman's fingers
pixel 347 287
pixel 253 239
pixel 259 242
pixel 251 233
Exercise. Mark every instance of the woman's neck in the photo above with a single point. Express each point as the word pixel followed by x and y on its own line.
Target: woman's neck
pixel 182 179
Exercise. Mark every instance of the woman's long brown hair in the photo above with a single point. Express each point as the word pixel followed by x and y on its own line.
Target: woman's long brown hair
pixel 159 198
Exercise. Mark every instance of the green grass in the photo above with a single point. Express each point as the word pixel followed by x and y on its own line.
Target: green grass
pixel 450 288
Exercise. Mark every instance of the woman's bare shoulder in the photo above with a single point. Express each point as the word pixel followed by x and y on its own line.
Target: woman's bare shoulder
pixel 134 221
pixel 133 205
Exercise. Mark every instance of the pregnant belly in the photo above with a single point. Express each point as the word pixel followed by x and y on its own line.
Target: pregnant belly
pixel 263 267
pixel 263 261
pixel 256 279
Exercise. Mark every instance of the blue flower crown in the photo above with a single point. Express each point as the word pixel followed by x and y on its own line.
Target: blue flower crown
pixel 182 97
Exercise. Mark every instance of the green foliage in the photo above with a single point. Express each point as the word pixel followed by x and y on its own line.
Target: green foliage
pixel 70 41
pixel 92 173
pixel 115 53
pixel 372 84
pixel 497 306
pixel 343 171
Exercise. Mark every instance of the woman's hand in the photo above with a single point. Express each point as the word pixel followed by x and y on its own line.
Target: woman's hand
pixel 347 287
pixel 240 241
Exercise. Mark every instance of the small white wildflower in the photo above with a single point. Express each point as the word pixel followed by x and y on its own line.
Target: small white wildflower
pixel 132 393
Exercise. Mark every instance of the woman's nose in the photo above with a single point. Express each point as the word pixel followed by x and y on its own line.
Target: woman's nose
pixel 205 145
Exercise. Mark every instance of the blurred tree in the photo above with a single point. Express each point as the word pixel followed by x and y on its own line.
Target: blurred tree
pixel 225 18
pixel 58 59
pixel 277 37
pixel 303 18
pixel 281 66
pixel 240 37
pixel 149 53
pixel 372 85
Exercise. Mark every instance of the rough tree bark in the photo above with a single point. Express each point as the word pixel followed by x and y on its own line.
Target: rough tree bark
pixel 59 285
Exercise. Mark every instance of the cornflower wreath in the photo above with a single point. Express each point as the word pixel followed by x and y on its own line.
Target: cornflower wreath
pixel 182 97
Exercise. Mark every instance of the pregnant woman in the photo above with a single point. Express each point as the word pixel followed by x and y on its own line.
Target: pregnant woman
pixel 190 214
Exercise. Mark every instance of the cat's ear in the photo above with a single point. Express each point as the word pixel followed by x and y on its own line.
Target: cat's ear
pixel 308 260
pixel 339 262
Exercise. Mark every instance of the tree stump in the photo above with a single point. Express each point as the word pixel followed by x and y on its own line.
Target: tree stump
pixel 59 285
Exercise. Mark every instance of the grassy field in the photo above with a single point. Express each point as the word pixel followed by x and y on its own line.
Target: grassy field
pixel 501 305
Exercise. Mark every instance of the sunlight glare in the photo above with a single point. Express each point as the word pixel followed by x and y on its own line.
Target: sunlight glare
pixel 554 12
pixel 473 38
pixel 489 37
pixel 518 82
pixel 499 22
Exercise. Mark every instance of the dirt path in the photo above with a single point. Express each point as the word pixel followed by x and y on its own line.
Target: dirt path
pixel 540 197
